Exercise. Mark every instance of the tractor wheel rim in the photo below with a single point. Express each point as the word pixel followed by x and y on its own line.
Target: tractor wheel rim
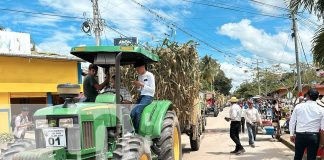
pixel 144 157
pixel 176 144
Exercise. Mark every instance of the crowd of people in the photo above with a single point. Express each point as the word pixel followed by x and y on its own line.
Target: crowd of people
pixel 305 121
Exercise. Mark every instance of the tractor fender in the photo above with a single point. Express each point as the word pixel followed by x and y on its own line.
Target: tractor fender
pixel 152 118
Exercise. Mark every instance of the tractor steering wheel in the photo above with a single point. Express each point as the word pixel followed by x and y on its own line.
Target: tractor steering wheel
pixel 114 92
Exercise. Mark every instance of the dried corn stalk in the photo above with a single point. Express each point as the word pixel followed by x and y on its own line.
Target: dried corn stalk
pixel 176 76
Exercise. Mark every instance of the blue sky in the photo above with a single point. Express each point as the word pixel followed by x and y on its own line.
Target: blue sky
pixel 242 37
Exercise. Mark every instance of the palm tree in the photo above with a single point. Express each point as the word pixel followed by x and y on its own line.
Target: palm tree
pixel 209 69
pixel 315 7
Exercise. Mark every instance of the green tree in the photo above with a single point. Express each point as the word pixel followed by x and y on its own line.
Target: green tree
pixel 222 84
pixel 209 68
pixel 315 7
pixel 246 90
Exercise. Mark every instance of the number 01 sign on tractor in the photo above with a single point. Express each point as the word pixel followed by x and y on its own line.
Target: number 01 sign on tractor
pixel 54 137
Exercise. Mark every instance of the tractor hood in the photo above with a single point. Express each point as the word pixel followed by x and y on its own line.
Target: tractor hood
pixel 78 109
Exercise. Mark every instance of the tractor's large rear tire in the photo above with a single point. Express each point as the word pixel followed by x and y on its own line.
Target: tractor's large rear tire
pixel 14 148
pixel 131 148
pixel 170 142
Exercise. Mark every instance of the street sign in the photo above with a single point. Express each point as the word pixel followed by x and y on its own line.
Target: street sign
pixel 129 41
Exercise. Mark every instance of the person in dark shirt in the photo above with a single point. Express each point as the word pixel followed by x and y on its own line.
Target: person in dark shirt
pixel 90 84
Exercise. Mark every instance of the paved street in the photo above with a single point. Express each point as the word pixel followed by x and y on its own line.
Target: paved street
pixel 216 144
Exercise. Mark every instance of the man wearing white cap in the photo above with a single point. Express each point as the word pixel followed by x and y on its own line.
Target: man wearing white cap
pixel 235 118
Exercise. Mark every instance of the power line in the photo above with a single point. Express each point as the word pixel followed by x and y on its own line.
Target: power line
pixel 41 13
pixel 302 46
pixel 309 20
pixel 270 5
pixel 234 9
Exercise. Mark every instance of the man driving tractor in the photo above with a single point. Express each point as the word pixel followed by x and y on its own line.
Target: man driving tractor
pixel 90 84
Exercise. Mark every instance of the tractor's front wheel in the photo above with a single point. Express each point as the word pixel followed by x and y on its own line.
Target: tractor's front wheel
pixel 14 148
pixel 170 141
pixel 131 148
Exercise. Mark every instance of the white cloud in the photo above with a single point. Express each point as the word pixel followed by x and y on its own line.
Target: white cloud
pixel 237 74
pixel 58 43
pixel 128 18
pixel 39 21
pixel 258 42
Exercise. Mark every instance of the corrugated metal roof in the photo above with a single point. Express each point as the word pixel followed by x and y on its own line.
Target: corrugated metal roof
pixel 43 56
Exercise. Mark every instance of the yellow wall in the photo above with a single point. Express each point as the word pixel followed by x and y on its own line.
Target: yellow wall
pixel 4 112
pixel 31 70
pixel 31 77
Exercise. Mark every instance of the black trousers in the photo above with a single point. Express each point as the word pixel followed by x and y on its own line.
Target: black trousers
pixel 235 133
pixel 306 141
pixel 243 124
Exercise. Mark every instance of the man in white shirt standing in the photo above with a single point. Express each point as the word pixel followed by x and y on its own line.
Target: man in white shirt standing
pixel 306 117
pixel 146 86
pixel 252 118
pixel 235 118
pixel 21 124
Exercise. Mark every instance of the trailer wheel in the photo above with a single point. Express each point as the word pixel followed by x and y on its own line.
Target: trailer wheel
pixel 131 148
pixel 204 123
pixel 14 148
pixel 170 142
pixel 195 144
pixel 216 112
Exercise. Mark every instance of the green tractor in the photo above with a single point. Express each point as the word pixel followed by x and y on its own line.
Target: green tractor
pixel 103 129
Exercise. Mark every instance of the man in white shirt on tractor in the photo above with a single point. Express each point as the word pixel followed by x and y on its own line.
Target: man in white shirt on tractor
pixel 146 86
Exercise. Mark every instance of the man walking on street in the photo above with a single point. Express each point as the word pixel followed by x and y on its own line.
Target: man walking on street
pixel 252 118
pixel 306 117
pixel 235 118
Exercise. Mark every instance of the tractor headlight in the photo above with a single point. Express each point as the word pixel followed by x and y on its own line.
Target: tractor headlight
pixel 41 123
pixel 66 122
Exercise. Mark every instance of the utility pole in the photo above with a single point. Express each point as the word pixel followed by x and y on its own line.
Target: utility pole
pixel 97 30
pixel 258 74
pixel 294 35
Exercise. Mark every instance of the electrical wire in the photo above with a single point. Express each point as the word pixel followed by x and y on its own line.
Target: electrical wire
pixel 270 5
pixel 234 9
pixel 302 46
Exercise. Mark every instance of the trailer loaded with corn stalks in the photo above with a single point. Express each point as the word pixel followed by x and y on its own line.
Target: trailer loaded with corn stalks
pixel 177 78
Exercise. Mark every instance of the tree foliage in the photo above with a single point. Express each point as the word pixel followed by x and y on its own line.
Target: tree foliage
pixel 274 78
pixel 212 77
pixel 315 7
pixel 222 84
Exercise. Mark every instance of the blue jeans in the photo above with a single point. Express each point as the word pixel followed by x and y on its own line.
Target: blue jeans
pixel 136 113
pixel 251 132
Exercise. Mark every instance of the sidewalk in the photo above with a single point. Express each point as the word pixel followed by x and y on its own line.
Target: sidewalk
pixel 285 139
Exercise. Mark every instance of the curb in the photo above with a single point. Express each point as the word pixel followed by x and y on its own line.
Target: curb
pixel 287 143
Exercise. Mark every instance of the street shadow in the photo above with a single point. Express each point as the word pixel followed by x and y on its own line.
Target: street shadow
pixel 218 153
pixel 217 130
pixel 185 150
pixel 264 154
pixel 257 139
